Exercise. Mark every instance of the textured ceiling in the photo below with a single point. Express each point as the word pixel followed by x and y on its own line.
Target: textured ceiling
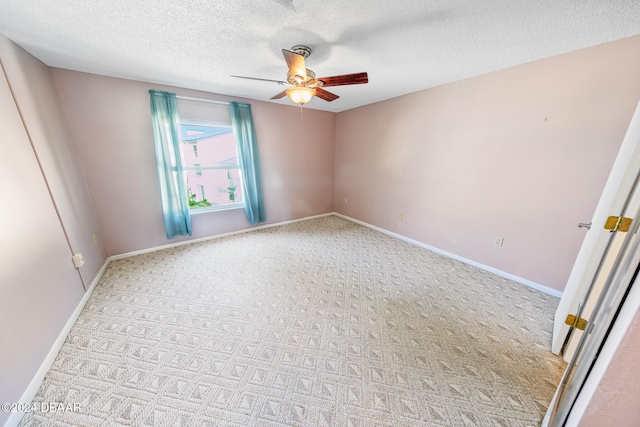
pixel 404 45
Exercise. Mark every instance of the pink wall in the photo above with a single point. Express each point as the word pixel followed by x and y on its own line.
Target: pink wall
pixel 615 402
pixel 37 100
pixel 110 121
pixel 521 153
pixel 39 286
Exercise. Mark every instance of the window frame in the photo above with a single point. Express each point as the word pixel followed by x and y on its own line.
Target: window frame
pixel 205 209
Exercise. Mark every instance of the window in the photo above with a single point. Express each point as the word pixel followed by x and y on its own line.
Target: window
pixel 215 181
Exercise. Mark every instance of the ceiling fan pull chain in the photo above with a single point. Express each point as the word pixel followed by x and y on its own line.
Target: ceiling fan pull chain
pixel 300 112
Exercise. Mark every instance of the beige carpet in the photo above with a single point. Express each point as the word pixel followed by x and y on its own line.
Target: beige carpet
pixel 320 322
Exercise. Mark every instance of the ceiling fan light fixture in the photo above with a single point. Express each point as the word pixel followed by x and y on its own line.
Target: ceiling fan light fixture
pixel 301 95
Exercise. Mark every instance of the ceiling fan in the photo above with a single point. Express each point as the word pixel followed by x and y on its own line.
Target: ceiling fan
pixel 302 82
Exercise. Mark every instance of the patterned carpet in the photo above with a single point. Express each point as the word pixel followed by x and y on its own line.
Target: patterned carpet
pixel 320 322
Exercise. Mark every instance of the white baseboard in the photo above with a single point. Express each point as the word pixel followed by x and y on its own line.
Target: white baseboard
pixel 526 282
pixel 217 236
pixel 31 391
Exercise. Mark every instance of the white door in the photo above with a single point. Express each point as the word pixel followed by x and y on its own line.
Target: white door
pixel 600 246
pixel 613 312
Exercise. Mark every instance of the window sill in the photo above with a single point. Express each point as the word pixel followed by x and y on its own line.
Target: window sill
pixel 198 211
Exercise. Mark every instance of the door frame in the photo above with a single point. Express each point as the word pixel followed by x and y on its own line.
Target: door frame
pixel 629 310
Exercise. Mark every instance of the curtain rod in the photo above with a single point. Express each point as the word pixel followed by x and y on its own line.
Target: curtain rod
pixel 188 98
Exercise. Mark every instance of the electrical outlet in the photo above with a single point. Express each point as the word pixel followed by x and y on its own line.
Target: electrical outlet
pixel 345 200
pixel 400 215
pixel 78 260
pixel 498 241
pixel 95 239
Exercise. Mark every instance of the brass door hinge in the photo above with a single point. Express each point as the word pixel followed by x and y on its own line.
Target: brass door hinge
pixel 618 223
pixel 576 322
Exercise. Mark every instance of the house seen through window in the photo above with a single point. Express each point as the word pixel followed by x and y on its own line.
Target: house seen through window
pixel 210 161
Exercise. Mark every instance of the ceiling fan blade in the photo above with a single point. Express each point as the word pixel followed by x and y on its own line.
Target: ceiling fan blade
pixel 296 63
pixel 263 80
pixel 326 95
pixel 280 95
pixel 345 79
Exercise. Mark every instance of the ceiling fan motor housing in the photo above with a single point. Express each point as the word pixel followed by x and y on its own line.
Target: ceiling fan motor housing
pixel 301 50
pixel 308 81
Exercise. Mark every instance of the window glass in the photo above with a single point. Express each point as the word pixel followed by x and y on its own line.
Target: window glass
pixel 210 161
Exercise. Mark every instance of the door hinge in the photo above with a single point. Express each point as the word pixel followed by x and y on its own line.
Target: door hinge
pixel 618 223
pixel 576 322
